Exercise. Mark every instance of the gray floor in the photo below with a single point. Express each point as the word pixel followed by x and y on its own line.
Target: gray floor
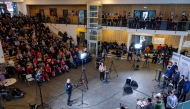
pixel 98 96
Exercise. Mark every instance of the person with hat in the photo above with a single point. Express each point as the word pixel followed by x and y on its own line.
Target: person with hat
pixel 186 88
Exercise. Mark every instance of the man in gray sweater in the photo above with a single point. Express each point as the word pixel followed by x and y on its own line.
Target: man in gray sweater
pixel 172 101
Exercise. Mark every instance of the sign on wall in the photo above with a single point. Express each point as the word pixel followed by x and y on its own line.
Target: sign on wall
pixel 175 58
pixel 159 40
pixel 184 65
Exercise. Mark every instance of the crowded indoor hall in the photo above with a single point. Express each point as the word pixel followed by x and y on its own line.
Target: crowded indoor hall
pixel 94 54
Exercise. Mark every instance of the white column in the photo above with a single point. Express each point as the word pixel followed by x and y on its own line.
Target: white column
pixel 128 40
pixel 180 43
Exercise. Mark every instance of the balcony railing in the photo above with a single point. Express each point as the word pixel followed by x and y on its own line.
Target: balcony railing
pixel 159 25
pixel 130 23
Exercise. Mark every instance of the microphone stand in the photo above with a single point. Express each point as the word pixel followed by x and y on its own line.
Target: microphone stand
pixel 82 103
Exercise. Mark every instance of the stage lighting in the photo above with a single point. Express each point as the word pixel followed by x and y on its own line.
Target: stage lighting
pixel 137 46
pixel 83 55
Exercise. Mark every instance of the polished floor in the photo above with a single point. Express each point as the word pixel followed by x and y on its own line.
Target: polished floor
pixel 98 96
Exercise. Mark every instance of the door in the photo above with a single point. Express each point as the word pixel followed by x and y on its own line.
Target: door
pixel 82 37
pixel 93 47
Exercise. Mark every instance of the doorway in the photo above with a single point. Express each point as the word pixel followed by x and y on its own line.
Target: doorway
pixel 82 37
pixel 93 47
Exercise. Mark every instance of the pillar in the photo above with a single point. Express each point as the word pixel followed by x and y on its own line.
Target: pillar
pixel 180 43
pixel 128 41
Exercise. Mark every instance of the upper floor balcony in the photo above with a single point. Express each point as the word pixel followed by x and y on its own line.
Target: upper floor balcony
pixel 131 25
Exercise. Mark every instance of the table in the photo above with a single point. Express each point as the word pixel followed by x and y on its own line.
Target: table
pixel 9 82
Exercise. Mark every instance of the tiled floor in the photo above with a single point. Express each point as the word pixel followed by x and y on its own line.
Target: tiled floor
pixel 98 96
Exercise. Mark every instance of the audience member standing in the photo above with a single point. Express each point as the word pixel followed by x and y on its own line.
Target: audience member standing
pixel 171 101
pixel 180 85
pixel 176 77
pixel 186 88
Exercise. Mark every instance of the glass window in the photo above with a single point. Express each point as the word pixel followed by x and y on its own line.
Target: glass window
pixel 93 8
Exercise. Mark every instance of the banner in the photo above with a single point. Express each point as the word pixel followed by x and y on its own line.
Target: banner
pixel 175 58
pixel 184 65
pixel 159 40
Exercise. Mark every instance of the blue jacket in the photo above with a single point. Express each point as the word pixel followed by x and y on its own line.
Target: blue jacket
pixel 174 67
pixel 186 86
pixel 169 72
pixel 68 89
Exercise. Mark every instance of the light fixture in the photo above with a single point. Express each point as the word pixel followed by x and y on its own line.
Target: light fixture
pixel 83 55
pixel 137 46
pixel 145 6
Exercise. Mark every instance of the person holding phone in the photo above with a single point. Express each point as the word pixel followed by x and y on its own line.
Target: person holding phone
pixel 68 88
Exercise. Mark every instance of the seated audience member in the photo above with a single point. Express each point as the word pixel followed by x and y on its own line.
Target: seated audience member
pixel 17 93
pixel 186 88
pixel 3 91
pixel 159 48
pixel 19 70
pixel 149 105
pixel 158 104
pixel 147 49
pixel 172 101
pixel 180 85
pixel 48 70
pixel 154 58
pixel 2 76
pixel 11 62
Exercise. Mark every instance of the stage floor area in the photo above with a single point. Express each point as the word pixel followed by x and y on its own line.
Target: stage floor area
pixel 98 96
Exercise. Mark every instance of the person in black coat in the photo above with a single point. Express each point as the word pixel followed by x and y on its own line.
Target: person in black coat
pixel 176 77
pixel 180 85
pixel 186 88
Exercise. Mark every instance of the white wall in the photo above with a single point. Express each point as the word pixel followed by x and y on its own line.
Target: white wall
pixel 70 29
pixel 22 7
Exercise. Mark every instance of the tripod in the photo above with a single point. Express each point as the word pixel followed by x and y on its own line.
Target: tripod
pixel 146 63
pixel 42 103
pixel 110 69
pixel 82 97
pixel 83 79
pixel 105 57
pixel 156 76
pixel 133 66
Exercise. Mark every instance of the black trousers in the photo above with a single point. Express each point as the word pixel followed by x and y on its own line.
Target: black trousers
pixel 183 96
pixel 101 75
pixel 175 84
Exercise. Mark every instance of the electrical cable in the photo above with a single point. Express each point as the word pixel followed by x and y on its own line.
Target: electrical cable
pixel 103 100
